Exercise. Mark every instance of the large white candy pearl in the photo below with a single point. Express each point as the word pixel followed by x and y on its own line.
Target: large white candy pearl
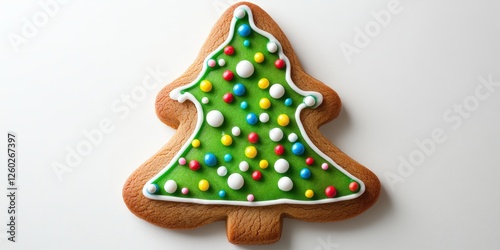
pixel 277 91
pixel 272 47
pixel 285 184
pixel 244 69
pixel 235 181
pixel 215 118
pixel 281 166
pixel 276 134
pixel 170 186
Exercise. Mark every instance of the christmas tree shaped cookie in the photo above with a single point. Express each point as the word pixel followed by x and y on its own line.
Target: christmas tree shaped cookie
pixel 248 149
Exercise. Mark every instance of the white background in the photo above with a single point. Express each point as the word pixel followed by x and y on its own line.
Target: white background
pixel 64 79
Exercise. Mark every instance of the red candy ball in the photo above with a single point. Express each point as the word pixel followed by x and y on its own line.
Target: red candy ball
pixel 229 50
pixel 253 137
pixel 279 150
pixel 309 161
pixel 228 75
pixel 256 175
pixel 353 186
pixel 228 98
pixel 330 191
pixel 280 63
pixel 194 165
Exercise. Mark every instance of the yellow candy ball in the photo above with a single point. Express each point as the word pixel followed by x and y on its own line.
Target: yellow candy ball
pixel 309 193
pixel 258 57
pixel 205 86
pixel 264 103
pixel 283 120
pixel 250 152
pixel 195 143
pixel 226 140
pixel 263 83
pixel 263 164
pixel 203 185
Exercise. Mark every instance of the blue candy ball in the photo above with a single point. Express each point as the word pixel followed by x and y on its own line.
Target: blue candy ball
pixel 222 193
pixel 305 173
pixel 246 43
pixel 244 105
pixel 252 119
pixel 298 148
pixel 228 157
pixel 239 89
pixel 210 159
pixel 244 30
pixel 288 102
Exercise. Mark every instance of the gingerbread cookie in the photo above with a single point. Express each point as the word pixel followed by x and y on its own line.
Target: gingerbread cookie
pixel 247 148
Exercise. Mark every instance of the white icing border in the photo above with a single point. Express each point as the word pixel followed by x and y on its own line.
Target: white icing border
pixel 176 95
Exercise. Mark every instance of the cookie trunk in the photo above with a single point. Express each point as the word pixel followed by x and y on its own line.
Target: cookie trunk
pixel 253 225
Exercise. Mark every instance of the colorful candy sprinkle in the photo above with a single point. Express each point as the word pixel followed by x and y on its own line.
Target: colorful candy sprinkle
pixel 250 152
pixel 264 103
pixel 228 75
pixel 194 165
pixel 330 191
pixel 244 69
pixel 353 186
pixel 226 140
pixel 205 86
pixel 281 166
pixel 263 83
pixel 222 193
pixel 253 137
pixel 235 181
pixel 228 157
pixel 309 161
pixel 195 143
pixel 324 166
pixel 263 164
pixel 258 57
pixel 243 166
pixel 244 30
pixel 250 197
pixel 239 89
pixel 203 185
pixel 309 193
pixel 272 47
pixel 228 98
pixel 305 173
pixel 285 184
pixel 280 63
pixel 210 159
pixel 252 119
pixel 277 91
pixel 298 148
pixel 279 149
pixel 182 161
pixel 244 105
pixel 229 50
pixel 256 175
pixel 170 186
pixel 283 120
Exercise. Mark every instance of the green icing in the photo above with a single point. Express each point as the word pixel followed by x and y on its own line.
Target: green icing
pixel 265 189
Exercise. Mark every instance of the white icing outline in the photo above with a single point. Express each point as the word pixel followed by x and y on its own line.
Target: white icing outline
pixel 176 95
